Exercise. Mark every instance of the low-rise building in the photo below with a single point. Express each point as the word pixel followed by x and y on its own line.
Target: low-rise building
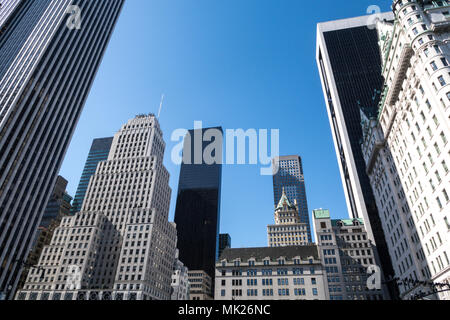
pixel 200 284
pixel 282 273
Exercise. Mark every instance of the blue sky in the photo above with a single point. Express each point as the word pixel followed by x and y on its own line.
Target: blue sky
pixel 236 64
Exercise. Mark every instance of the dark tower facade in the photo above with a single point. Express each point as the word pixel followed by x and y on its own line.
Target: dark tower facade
pixel 349 62
pixel 50 52
pixel 99 152
pixel 224 242
pixel 197 213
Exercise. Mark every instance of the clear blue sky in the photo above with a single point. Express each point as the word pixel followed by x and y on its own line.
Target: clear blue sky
pixel 234 63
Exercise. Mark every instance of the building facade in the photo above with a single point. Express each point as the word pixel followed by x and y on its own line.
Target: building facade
pixel 121 245
pixel 197 212
pixel 47 68
pixel 285 273
pixel 290 179
pixel 180 280
pixel 350 65
pixel 200 284
pixel 347 254
pixel 406 145
pixel 99 152
pixel 288 229
pixel 57 208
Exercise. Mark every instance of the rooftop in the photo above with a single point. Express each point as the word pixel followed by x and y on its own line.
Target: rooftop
pixel 321 214
pixel 259 254
pixel 347 222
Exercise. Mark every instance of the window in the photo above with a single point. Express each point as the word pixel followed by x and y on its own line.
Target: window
pixel 441 80
pixel 433 66
pixel 438 200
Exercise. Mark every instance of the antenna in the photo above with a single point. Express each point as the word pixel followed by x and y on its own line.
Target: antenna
pixel 161 105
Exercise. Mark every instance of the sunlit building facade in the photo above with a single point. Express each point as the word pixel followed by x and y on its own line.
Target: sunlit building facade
pixel 47 66
pixel 406 147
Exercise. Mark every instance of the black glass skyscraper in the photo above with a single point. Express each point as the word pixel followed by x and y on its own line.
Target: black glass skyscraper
pixel 99 152
pixel 349 61
pixel 50 52
pixel 197 213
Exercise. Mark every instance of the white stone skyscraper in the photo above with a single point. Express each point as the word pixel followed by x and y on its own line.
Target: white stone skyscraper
pixel 50 52
pixel 121 245
pixel 406 147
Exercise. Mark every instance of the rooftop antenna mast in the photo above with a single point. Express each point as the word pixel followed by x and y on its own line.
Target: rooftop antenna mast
pixel 161 105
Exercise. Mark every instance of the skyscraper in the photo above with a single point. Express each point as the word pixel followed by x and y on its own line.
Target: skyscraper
pixel 47 68
pixel 99 152
pixel 290 178
pixel 349 62
pixel 120 245
pixel 197 213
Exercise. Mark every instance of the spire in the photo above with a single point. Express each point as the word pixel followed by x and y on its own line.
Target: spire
pixel 284 201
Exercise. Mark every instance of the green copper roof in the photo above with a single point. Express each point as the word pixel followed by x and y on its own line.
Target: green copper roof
pixel 321 214
pixel 284 201
pixel 346 222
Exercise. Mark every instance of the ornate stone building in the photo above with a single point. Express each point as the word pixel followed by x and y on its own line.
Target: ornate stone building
pixel 406 147
pixel 288 229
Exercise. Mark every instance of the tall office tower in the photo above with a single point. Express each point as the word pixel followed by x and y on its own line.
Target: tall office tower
pixel 349 63
pixel 406 144
pixel 120 245
pixel 99 152
pixel 290 177
pixel 57 208
pixel 288 230
pixel 47 67
pixel 197 213
pixel 224 242
pixel 347 253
